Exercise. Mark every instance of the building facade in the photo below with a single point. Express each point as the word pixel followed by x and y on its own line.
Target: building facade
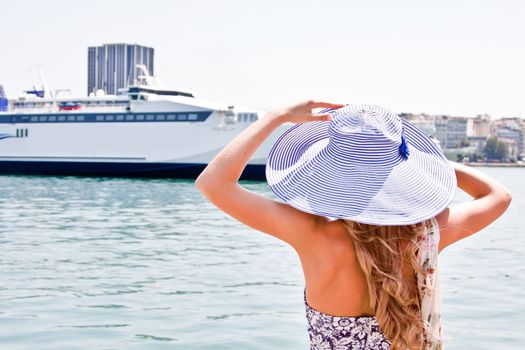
pixel 451 131
pixel 511 131
pixel 114 66
pixel 479 126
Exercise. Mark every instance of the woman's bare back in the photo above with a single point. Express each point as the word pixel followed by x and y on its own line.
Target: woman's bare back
pixel 335 283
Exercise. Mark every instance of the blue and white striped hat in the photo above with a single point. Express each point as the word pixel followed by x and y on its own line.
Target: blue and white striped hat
pixel 366 165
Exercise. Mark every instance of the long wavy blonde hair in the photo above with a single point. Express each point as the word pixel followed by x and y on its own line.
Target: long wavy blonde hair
pixel 388 257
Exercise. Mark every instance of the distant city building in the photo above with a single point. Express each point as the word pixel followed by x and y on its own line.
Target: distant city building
pixel 479 126
pixel 451 131
pixel 114 66
pixel 478 131
pixel 477 143
pixel 510 131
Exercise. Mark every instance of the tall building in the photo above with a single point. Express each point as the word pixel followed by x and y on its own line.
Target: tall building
pixel 114 66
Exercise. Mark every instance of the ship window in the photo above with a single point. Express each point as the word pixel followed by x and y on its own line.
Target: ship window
pixel 17 133
pixel 140 116
pixel 171 116
pixel 99 118
pixel 239 117
pixel 160 117
pixel 192 116
pixel 150 117
pixel 52 118
pixel 42 118
pixel 80 118
pixel 34 119
pixel 130 117
pixel 253 117
pixel 120 117
pixel 61 118
pixel 109 118
pixel 26 132
pixel 181 117
pixel 70 118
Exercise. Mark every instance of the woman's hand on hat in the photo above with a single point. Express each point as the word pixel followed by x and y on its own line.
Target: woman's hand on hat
pixel 302 112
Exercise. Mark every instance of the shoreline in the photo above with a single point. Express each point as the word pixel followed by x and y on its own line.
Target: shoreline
pixel 496 165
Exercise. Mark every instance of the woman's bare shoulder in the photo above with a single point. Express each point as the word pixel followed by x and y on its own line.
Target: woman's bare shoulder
pixel 332 237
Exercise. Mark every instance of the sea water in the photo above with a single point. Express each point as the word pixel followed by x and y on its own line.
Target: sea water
pixel 99 263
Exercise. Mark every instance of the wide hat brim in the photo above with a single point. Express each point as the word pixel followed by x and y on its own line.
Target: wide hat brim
pixel 302 173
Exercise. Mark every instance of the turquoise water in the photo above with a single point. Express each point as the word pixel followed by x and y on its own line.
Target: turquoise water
pixel 92 263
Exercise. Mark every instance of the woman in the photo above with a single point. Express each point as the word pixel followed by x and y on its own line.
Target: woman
pixel 365 206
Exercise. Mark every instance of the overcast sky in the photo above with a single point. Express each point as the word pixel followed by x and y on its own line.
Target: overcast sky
pixel 453 57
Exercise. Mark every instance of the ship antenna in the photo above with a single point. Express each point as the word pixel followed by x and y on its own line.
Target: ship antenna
pixel 43 82
pixel 144 78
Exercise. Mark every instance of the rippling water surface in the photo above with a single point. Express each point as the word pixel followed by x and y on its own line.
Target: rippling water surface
pixel 90 263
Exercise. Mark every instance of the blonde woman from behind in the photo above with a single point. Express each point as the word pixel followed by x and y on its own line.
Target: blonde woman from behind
pixel 364 201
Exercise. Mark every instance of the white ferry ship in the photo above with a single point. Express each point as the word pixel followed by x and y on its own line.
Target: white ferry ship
pixel 144 132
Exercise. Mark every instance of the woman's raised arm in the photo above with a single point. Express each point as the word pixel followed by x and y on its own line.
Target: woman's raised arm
pixel 491 199
pixel 218 181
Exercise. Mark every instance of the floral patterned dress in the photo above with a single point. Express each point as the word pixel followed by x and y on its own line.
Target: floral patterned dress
pixel 329 332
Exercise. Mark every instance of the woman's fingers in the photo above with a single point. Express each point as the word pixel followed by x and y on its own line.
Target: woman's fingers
pixel 319 104
pixel 303 112
pixel 322 117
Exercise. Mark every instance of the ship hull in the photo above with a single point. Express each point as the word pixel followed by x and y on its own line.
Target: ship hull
pixel 165 138
pixel 120 169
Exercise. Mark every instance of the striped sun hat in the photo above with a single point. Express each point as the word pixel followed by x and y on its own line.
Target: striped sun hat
pixel 366 165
